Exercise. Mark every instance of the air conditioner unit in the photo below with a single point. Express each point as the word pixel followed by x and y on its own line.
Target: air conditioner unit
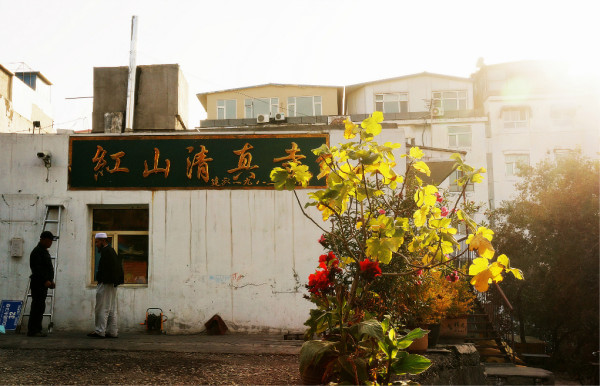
pixel 262 118
pixel 437 111
pixel 280 117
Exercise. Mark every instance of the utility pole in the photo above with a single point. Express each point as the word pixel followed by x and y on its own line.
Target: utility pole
pixel 131 78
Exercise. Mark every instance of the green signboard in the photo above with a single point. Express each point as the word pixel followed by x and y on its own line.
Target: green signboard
pixel 187 161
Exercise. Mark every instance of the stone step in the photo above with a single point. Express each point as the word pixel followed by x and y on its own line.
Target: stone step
pixel 507 374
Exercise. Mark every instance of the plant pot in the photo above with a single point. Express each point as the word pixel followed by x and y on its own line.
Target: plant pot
pixel 434 334
pixel 454 328
pixel 419 345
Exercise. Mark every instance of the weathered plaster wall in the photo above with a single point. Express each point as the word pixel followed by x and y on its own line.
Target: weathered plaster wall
pixel 161 95
pixel 242 254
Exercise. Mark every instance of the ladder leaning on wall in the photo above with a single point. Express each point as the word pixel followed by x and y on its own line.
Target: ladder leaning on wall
pixel 51 223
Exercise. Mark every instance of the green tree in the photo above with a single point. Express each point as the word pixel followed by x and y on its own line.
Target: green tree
pixel 551 231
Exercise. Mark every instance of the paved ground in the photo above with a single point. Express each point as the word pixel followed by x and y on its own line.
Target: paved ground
pixel 73 358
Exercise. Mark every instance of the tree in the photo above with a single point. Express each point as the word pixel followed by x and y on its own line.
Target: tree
pixel 551 231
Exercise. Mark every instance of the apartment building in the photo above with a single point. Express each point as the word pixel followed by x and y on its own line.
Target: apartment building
pixel 503 115
pixel 271 102
pixel 437 113
pixel 535 110
pixel 25 101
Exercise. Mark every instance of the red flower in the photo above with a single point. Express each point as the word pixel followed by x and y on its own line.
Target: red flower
pixel 319 282
pixel 322 241
pixel 328 260
pixel 453 277
pixel 444 212
pixel 381 211
pixel 439 197
pixel 419 272
pixel 418 282
pixel 370 268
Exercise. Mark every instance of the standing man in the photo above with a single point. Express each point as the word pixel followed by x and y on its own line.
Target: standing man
pixel 109 276
pixel 42 278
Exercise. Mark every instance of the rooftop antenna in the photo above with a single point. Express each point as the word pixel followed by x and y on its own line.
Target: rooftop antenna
pixel 131 77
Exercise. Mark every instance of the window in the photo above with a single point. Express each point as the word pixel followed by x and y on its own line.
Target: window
pixel 304 106
pixel 127 230
pixel 459 136
pixel 454 187
pixel 255 106
pixel 516 118
pixel 562 116
pixel 560 154
pixel 226 109
pixel 512 162
pixel 450 100
pixel 391 103
pixel 27 78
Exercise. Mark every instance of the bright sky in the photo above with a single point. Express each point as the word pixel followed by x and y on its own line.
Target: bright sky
pixel 226 44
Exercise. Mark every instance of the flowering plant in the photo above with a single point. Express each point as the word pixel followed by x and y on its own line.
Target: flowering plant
pixel 378 219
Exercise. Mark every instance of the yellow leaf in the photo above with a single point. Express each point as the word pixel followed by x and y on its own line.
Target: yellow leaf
pixel 422 167
pixel 416 153
pixel 377 116
pixel 516 272
pixel 487 233
pixel 358 224
pixel 427 259
pixel 349 131
pixel 481 242
pixel 502 259
pixel 478 265
pixel 371 124
pixel 420 216
pixel 481 280
pixel 477 178
pixel 496 271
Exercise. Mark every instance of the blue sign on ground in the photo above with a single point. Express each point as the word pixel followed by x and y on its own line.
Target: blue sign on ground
pixel 9 313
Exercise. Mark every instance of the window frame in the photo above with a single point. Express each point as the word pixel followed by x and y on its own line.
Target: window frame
pixel 438 101
pixel 272 102
pixel 113 235
pixel 514 164
pixel 457 134
pixel 224 108
pixel 400 95
pixel 292 105
pixel 515 124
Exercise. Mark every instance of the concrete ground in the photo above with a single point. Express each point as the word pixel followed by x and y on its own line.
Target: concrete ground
pixel 221 344
pixel 140 358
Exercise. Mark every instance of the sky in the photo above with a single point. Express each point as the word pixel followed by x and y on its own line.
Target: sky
pixel 228 44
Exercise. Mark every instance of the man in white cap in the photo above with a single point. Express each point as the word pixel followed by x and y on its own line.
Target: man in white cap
pixel 109 276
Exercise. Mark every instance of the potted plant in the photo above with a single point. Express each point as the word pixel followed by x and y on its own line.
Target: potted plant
pixel 376 218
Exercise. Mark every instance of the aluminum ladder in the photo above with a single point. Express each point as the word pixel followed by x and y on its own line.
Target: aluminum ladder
pixel 52 219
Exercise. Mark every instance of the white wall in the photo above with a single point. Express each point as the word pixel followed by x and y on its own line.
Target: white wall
pixel 419 89
pixel 29 105
pixel 243 254
pixel 543 136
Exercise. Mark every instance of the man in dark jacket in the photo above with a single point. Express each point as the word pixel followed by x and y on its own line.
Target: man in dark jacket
pixel 109 276
pixel 42 278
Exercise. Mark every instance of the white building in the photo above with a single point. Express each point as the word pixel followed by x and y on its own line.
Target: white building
pixel 244 254
pixel 535 110
pixel 436 112
pixel 25 101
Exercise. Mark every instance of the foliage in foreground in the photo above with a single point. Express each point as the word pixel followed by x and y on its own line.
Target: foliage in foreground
pixel 377 217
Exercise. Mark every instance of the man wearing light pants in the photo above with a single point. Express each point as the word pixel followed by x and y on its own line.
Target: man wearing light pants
pixel 109 276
